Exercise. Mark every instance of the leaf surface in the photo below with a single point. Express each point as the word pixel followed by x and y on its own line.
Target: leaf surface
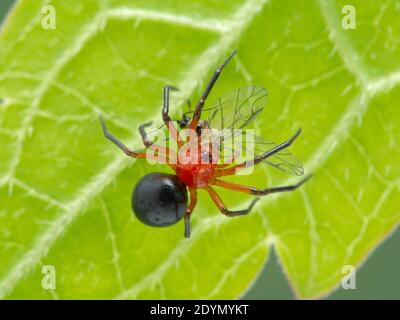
pixel 65 191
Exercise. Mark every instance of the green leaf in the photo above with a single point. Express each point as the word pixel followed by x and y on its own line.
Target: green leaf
pixel 65 191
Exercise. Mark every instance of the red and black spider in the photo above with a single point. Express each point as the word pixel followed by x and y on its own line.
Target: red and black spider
pixel 161 199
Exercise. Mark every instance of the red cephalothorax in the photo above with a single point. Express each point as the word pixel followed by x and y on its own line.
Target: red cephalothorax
pixel 205 155
pixel 196 175
pixel 197 163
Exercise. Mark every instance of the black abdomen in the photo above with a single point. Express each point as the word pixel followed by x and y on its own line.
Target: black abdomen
pixel 159 199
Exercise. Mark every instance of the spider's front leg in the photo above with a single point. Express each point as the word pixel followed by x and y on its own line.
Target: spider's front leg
pixel 210 85
pixel 145 139
pixel 118 143
pixel 167 119
pixel 150 144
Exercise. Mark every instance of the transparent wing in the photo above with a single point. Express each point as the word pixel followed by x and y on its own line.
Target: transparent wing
pixel 229 115
pixel 237 109
pixel 282 160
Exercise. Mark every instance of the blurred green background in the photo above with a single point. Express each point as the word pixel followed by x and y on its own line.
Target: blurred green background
pixel 378 278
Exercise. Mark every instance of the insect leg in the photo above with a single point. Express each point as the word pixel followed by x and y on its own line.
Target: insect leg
pixel 259 158
pixel 189 210
pixel 258 192
pixel 118 143
pixel 167 119
pixel 217 200
pixel 210 85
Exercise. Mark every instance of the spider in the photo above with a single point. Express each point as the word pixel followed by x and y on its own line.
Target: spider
pixel 161 199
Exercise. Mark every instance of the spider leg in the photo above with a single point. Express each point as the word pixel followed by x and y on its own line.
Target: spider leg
pixel 118 143
pixel 259 192
pixel 146 141
pixel 167 119
pixel 210 85
pixel 189 210
pixel 150 144
pixel 217 200
pixel 259 158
